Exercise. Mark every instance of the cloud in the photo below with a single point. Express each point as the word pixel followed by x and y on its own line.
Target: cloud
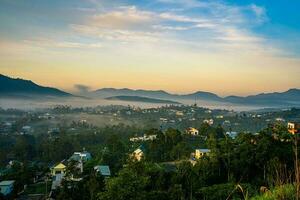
pixel 187 3
pixel 46 43
pixel 123 18
pixel 180 18
pixel 123 35
pixel 82 89
pixel 214 22
pixel 171 28
pixel 260 13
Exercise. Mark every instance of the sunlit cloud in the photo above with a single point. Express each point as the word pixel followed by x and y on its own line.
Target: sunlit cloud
pixel 222 27
pixel 212 43
pixel 48 43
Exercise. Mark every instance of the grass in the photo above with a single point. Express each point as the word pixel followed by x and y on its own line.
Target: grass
pixel 284 192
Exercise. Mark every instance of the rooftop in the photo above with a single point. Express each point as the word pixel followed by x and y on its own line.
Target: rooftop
pixel 60 166
pixel 204 150
pixel 103 169
pixel 5 183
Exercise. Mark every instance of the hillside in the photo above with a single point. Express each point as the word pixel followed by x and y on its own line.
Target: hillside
pixel 17 88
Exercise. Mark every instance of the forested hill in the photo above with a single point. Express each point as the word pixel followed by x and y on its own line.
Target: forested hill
pixel 19 88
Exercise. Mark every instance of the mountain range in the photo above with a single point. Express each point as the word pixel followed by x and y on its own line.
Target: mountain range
pixel 16 88
pixel 290 97
pixel 142 99
pixel 108 92
pixel 19 88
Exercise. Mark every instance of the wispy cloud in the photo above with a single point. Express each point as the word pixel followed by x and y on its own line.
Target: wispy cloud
pixel 215 24
pixel 124 17
pixel 210 42
pixel 187 3
pixel 48 43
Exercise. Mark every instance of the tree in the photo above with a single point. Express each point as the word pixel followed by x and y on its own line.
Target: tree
pixel 127 185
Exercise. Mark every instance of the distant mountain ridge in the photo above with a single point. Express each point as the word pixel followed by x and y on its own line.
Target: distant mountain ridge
pixel 290 97
pixel 108 92
pixel 15 87
pixel 142 99
pixel 19 88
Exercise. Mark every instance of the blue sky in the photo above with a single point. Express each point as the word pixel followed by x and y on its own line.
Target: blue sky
pixel 230 39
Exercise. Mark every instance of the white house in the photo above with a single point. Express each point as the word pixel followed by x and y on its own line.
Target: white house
pixel 143 138
pixel 26 130
pixel 81 156
pixel 6 187
pixel 279 119
pixel 163 119
pixel 232 134
pixel 209 121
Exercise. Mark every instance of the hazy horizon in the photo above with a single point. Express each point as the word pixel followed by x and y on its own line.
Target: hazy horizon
pixel 81 89
pixel 181 46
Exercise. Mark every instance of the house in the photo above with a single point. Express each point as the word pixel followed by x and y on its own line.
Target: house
pixel 138 154
pixel 232 134
pixel 6 187
pixel 81 156
pixel 294 127
pixel 143 138
pixel 192 131
pixel 58 173
pixel 103 170
pixel 226 122
pixel 26 130
pixel 163 119
pixel 208 121
pixel 208 111
pixel 83 121
pixel 279 119
pixel 179 113
pixel 58 169
pixel 5 127
pixel 199 153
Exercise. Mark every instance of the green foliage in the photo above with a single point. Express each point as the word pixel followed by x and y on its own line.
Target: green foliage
pixel 86 189
pixel 168 146
pixel 224 191
pixel 38 188
pixel 127 185
pixel 284 192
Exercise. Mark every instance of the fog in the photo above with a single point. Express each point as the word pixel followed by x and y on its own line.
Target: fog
pixel 29 104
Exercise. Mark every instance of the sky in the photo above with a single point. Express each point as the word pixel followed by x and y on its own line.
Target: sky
pixel 229 47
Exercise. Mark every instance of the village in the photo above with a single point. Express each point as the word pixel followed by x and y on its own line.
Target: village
pixel 46 176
